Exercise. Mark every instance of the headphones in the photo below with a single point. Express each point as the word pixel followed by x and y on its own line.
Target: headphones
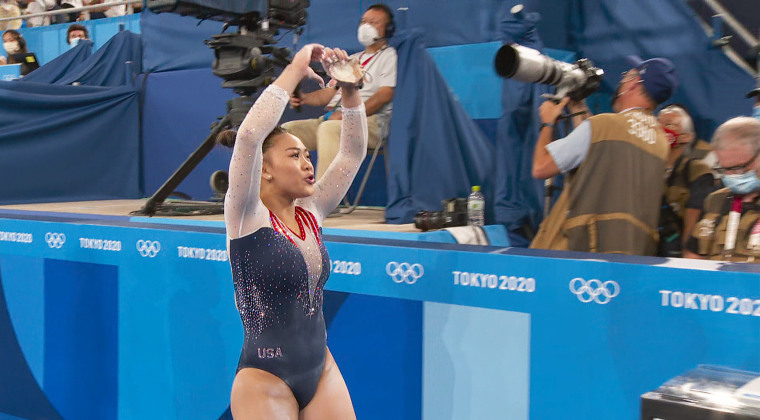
pixel 390 27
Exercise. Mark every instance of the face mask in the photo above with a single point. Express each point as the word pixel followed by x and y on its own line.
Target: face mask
pixel 74 42
pixel 367 34
pixel 756 112
pixel 742 183
pixel 11 47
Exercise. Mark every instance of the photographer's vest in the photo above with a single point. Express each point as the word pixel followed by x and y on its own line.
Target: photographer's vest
pixel 677 185
pixel 700 149
pixel 710 231
pixel 611 202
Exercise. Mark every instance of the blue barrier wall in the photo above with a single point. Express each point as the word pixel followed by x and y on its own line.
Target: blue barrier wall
pixel 433 331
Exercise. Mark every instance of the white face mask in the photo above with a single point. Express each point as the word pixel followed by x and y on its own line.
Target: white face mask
pixel 74 42
pixel 367 34
pixel 11 47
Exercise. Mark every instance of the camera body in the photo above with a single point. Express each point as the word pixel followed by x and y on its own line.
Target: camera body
pixel 454 213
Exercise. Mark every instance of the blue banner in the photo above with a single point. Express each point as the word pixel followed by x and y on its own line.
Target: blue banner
pixel 462 331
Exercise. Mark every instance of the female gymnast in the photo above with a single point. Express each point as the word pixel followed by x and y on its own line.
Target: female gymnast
pixel 273 213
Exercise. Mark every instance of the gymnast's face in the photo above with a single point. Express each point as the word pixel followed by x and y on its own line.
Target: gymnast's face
pixel 287 168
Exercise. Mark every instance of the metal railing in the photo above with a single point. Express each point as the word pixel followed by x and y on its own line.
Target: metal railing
pixel 727 17
pixel 75 10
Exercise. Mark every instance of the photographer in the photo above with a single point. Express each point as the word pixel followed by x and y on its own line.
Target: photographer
pixel 688 181
pixel 614 165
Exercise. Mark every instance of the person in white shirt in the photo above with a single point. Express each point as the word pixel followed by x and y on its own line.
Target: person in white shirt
pixel 9 9
pixel 39 6
pixel 379 61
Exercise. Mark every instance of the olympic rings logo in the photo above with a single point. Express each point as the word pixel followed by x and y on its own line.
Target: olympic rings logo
pixel 596 290
pixel 148 248
pixel 404 272
pixel 55 239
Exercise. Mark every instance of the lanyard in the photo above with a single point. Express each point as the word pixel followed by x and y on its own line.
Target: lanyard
pixel 367 60
pixel 364 64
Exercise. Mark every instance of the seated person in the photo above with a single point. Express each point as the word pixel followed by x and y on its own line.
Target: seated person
pixel 13 43
pixel 39 6
pixel 379 62
pixel 730 225
pixel 75 33
pixel 72 17
pixel 106 11
pixel 688 181
pixel 10 9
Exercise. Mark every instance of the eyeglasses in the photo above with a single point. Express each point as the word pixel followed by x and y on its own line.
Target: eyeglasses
pixel 736 169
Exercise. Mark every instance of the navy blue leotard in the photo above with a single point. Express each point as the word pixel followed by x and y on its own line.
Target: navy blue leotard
pixel 281 313
pixel 279 274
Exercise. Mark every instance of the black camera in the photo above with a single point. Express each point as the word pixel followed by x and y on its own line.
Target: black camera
pixel 454 213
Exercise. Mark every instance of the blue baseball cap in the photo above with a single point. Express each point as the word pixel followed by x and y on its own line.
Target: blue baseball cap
pixel 658 75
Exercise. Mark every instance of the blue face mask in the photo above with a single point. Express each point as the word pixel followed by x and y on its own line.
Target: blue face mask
pixel 74 42
pixel 756 112
pixel 742 183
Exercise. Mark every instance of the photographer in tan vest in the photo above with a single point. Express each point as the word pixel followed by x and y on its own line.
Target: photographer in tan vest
pixel 614 165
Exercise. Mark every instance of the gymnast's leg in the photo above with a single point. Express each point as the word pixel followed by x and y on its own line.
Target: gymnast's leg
pixel 259 395
pixel 331 401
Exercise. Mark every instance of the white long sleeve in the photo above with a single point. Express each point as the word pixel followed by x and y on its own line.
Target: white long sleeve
pixel 334 184
pixel 244 213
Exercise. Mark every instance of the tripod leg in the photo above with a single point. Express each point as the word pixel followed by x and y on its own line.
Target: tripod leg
pixel 184 170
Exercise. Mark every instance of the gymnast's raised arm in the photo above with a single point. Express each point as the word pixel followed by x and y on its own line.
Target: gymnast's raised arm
pixel 331 188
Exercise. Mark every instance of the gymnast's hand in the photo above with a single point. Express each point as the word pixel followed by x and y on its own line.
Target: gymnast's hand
pixel 308 54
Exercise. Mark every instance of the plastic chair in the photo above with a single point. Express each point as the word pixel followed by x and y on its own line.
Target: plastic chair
pixel 380 147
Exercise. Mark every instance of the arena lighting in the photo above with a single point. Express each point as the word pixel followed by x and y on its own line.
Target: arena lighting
pixel 246 59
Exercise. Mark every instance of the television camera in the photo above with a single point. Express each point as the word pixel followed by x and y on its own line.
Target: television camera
pixel 247 60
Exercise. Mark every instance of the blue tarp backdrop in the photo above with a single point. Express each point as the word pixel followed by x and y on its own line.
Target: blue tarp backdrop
pixel 173 42
pixel 435 149
pixel 62 65
pixel 67 143
pixel 518 195
pixel 114 64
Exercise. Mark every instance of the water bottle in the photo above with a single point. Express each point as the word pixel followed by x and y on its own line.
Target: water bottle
pixel 476 205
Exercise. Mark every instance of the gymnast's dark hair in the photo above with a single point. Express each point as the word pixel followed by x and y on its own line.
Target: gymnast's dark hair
pixel 227 138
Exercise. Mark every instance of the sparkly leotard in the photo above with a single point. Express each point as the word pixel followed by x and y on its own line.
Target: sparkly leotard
pixel 279 274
